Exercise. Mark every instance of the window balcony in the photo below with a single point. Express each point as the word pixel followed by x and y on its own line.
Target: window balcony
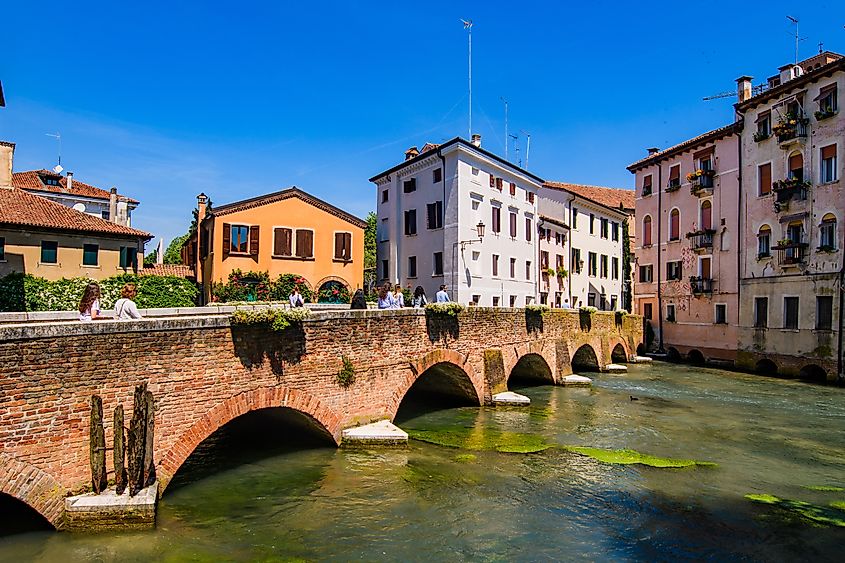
pixel 785 191
pixel 701 285
pixel 674 185
pixel 790 129
pixel 701 240
pixel 791 253
pixel 701 182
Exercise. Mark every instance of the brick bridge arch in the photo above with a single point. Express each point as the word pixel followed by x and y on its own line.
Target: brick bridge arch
pixel 441 356
pixel 34 487
pixel 238 405
pixel 544 350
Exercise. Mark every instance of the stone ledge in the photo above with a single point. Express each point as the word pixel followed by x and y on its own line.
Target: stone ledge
pixel 60 329
pixel 509 398
pixel 110 511
pixel 382 433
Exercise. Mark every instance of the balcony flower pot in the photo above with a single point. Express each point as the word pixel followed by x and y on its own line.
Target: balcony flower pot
pixel 761 136
pixel 824 113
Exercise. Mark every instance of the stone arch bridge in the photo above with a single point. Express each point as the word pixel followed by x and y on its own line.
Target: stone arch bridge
pixel 205 372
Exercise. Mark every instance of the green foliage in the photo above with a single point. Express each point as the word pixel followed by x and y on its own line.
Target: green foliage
pixel 630 457
pixel 19 292
pixel 450 309
pixel 276 318
pixel 488 439
pixel 627 291
pixel 249 286
pixel 824 488
pixel 283 286
pixel 370 251
pixel 333 292
pixel 587 309
pixel 562 272
pixel 537 309
pixel 346 376
pixel 831 516
pixel 173 253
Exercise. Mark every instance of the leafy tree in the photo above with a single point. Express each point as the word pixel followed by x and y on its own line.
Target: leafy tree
pixel 370 250
pixel 173 254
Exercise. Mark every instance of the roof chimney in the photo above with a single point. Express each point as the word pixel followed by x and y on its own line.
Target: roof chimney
pixel 69 181
pixel 476 139
pixel 652 150
pixel 743 88
pixel 7 155
pixel 113 204
pixel 202 203
pixel 411 153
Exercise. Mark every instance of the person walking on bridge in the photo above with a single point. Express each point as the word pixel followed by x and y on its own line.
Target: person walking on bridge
pixel 442 296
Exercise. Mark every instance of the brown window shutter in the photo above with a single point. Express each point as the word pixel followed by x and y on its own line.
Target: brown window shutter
pixel 828 152
pixel 227 239
pixel 796 161
pixel 300 243
pixel 647 181
pixel 253 241
pixel 309 245
pixel 765 179
pixel 278 242
pixel 675 172
pixel 492 181
pixel 347 246
pixel 287 242
pixel 338 245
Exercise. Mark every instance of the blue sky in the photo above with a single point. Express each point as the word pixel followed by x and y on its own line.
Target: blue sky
pixel 166 100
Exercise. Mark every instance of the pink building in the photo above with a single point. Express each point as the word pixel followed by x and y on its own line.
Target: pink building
pixel 686 281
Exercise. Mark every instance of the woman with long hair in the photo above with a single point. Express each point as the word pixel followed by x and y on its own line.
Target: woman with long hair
pixel 358 300
pixel 419 300
pixel 385 298
pixel 89 305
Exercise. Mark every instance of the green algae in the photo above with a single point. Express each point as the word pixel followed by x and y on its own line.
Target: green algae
pixel 631 457
pixel 811 512
pixel 465 458
pixel 840 504
pixel 824 488
pixel 483 440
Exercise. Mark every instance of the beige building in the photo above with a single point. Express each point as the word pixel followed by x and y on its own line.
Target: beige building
pixel 47 239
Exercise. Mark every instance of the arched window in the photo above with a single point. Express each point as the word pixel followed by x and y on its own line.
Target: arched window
pixel 647 230
pixel 675 225
pixel 827 232
pixel 764 242
pixel 706 215
pixel 796 166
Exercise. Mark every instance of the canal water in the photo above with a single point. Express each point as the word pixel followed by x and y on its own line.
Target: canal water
pixel 474 499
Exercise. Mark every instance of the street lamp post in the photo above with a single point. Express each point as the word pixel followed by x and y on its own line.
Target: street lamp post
pixel 479 228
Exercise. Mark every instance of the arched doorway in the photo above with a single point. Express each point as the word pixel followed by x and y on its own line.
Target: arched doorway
pixel 333 291
pixel 441 386
pixel 706 215
pixel 531 369
pixel 585 359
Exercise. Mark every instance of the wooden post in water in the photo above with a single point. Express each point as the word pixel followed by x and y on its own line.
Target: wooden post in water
pixel 97 444
pixel 137 429
pixel 149 412
pixel 119 452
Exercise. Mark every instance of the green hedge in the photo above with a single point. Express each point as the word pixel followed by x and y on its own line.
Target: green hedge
pixel 25 292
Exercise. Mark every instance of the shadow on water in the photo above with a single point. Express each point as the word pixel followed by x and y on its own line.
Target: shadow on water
pixel 16 517
pixel 251 438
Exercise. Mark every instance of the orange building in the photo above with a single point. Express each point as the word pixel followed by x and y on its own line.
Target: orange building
pixel 286 232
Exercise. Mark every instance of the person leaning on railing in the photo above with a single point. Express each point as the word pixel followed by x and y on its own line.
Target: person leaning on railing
pixel 125 308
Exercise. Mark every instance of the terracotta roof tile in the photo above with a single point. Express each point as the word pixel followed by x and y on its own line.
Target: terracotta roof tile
pixel 178 270
pixel 609 197
pixel 286 194
pixel 703 139
pixel 24 209
pixel 30 180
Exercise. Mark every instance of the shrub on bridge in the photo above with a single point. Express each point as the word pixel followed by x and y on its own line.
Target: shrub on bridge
pixel 275 318
pixel 450 309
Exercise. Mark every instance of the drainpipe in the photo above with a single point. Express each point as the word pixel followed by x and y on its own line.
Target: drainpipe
pixel 454 259
pixel 739 237
pixel 659 257
pixel 840 368
pixel 569 240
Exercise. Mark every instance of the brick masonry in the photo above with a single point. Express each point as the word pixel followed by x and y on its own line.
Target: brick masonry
pixel 204 373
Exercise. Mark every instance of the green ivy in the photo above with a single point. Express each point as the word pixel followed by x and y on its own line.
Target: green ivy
pixel 450 309
pixel 346 376
pixel 278 319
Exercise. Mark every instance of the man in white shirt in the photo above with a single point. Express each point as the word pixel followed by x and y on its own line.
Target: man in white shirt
pixel 441 296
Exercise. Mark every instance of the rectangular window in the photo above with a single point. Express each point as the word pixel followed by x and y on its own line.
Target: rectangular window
pixel 105 215
pixel 604 228
pixel 761 312
pixel 128 257
pixel 385 271
pixel 434 215
pixel 513 224
pixel 670 312
pixel 673 270
pixel 495 265
pixel 591 299
pixel 343 246
pixel 499 184
pixel 721 314
pixel 412 266
pixel 240 239
pixel 528 229
pixel 512 301
pixel 614 301
pixel 409 186
pixel 674 177
pixel 528 269
pixel 437 175
pixel 2 248
pixel 438 263
pixel 496 300
pixel 90 253
pixel 828 164
pixel 513 268
pixel 764 126
pixel 824 312
pixel 592 264
pixel 827 101
pixel 385 194
pixel 49 252
pixel 614 268
pixel 646 185
pixel 592 224
pixel 603 265
pixel 530 197
pixel 796 167
pixel 305 243
pixel 411 222
pixel 544 260
pixel 492 181
pixel 764 243
pixel 790 313
pixel 576 260
pixel 496 226
pixel 574 217
pixel 615 231
pixel 513 189
pixel 646 273
pixel 764 179
pixel 283 242
pixel 385 231
pixel 647 311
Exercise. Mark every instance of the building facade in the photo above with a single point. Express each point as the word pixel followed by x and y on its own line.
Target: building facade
pixel 688 246
pixel 457 215
pixel 591 253
pixel 286 232
pixel 793 203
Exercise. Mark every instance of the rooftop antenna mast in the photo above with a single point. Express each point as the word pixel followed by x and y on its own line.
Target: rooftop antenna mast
pixel 797 38
pixel 527 146
pixel 506 125
pixel 468 26
pixel 58 167
pixel 516 148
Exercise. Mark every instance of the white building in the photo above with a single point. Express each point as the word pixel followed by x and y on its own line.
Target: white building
pixel 591 254
pixel 458 215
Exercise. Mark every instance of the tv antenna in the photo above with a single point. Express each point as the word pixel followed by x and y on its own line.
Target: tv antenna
pixel 468 26
pixel 797 38
pixel 506 125
pixel 516 148
pixel 58 136
pixel 527 146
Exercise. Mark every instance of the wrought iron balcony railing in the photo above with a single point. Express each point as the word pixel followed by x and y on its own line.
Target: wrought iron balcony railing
pixel 701 285
pixel 702 239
